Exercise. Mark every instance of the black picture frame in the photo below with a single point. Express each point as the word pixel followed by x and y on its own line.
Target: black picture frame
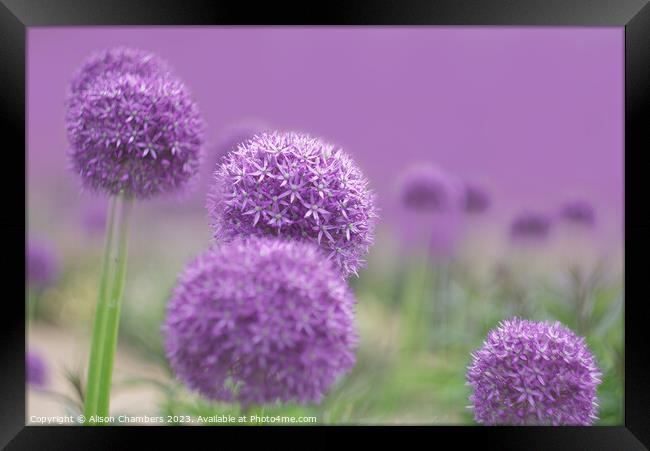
pixel 634 15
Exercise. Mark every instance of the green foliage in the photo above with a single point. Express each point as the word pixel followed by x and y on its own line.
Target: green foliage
pixel 391 384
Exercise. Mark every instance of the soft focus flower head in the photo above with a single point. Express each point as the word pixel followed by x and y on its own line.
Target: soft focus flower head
pixel 533 373
pixel 41 263
pixel 36 368
pixel 579 212
pixel 298 187
pixel 140 136
pixel 427 188
pixel 260 321
pixel 530 226
pixel 476 199
pixel 114 61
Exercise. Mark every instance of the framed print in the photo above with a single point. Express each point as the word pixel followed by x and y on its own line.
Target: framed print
pixel 416 214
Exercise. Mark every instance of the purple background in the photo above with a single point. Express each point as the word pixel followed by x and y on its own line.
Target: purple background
pixel 535 114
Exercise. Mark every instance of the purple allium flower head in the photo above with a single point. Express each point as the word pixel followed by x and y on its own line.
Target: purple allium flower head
pixel 259 321
pixel 533 373
pixel 427 188
pixel 41 263
pixel 134 134
pixel 476 199
pixel 579 213
pixel 530 226
pixel 36 369
pixel 298 187
pixel 114 61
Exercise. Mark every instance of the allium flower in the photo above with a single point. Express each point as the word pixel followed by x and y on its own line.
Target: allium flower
pixel 36 369
pixel 134 135
pixel 115 61
pixel 299 187
pixel 476 199
pixel 132 126
pixel 41 263
pixel 260 321
pixel 533 373
pixel 579 213
pixel 530 226
pixel 429 189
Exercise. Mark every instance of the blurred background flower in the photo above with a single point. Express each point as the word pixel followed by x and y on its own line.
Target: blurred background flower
pixel 579 212
pixel 37 371
pixel 530 227
pixel 476 199
pixel 427 188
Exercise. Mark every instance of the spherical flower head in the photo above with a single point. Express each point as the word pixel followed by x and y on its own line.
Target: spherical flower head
pixel 476 199
pixel 530 226
pixel 427 188
pixel 261 321
pixel 36 369
pixel 134 135
pixel 298 187
pixel 533 373
pixel 41 263
pixel 580 213
pixel 115 61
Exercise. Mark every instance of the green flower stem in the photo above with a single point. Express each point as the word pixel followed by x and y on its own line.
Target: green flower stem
pixel 442 303
pixel 96 347
pixel 414 298
pixel 32 301
pixel 581 299
pixel 113 313
pixel 111 287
